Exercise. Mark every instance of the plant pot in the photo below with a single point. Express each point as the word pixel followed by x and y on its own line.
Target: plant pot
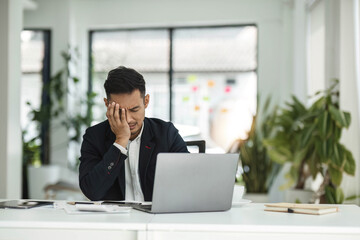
pixel 53 182
pixel 238 193
pixel 39 177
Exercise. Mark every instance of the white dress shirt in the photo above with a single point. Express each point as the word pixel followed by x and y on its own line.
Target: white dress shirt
pixel 133 190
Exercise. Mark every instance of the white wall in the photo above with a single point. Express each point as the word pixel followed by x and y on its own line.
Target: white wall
pixel 10 74
pixel 316 47
pixel 300 87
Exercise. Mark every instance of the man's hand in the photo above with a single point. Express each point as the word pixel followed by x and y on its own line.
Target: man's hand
pixel 118 124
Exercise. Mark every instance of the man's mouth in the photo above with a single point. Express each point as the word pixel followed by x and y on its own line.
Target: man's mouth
pixel 132 126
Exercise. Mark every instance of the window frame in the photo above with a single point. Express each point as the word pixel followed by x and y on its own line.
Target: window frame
pixel 171 70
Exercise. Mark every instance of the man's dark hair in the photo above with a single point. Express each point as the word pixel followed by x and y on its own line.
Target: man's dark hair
pixel 124 80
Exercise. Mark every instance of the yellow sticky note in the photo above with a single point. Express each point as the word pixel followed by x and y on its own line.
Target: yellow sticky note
pixel 191 78
pixel 211 83
pixel 186 98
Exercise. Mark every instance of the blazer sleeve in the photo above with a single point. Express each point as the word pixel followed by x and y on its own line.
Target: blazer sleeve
pixel 98 171
pixel 176 143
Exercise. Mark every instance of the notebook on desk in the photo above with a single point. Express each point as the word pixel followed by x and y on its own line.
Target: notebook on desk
pixel 195 182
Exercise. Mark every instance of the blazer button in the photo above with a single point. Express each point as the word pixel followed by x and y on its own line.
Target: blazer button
pixel 111 164
pixel 109 167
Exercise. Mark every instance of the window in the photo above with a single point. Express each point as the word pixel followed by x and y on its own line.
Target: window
pixel 35 67
pixel 147 51
pixel 203 79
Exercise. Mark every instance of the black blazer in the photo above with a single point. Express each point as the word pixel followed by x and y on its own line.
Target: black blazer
pixel 102 168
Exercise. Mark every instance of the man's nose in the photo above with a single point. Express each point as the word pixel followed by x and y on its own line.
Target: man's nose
pixel 129 117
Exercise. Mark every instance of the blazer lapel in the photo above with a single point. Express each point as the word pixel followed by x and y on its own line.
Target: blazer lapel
pixel 146 149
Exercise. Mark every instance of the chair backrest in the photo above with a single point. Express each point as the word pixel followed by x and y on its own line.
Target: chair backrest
pixel 199 143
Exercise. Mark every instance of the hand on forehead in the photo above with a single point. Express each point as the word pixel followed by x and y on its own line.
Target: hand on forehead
pixel 127 101
pixel 125 106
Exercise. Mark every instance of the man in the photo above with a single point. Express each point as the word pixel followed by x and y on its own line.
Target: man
pixel 118 156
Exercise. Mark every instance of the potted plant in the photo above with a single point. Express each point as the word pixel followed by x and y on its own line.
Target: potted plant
pixel 258 171
pixel 309 139
pixel 54 108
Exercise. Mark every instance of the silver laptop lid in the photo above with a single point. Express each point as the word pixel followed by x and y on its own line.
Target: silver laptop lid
pixel 193 182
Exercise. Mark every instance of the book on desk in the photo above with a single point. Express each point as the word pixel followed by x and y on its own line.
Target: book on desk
pixel 314 209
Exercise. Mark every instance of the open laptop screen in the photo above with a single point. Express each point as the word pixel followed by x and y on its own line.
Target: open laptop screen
pixel 193 182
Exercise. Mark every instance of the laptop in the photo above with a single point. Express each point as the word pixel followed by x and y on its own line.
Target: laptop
pixel 192 182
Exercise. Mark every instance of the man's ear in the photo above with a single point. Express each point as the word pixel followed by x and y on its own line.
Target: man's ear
pixel 146 100
pixel 106 102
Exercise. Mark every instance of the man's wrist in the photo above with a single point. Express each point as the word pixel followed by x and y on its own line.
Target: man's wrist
pixel 122 142
pixel 121 148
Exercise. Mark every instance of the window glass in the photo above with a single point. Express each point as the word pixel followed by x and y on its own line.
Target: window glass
pixel 215 49
pixel 32 55
pixel 217 107
pixel 146 51
pixel 214 90
pixel 213 77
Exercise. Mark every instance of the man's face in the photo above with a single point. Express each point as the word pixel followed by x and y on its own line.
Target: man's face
pixel 135 109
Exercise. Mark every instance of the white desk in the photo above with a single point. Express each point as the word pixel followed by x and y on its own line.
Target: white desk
pixel 247 222
pixel 53 224
pixel 252 222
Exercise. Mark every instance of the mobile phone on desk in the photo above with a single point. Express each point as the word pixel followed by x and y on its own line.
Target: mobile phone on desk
pixel 24 204
pixel 91 203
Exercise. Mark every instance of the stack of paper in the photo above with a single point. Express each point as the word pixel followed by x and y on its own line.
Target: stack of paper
pixel 90 207
pixel 315 209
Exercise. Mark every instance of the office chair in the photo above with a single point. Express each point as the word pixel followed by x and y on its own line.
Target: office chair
pixel 199 143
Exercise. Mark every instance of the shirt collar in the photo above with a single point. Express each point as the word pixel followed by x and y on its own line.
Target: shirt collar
pixel 138 138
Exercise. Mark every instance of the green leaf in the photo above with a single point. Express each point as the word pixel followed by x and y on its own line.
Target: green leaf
pixel 323 124
pixel 347 116
pixel 318 104
pixel 299 107
pixel 349 166
pixel 335 175
pixel 313 165
pixel 339 117
pixel 352 197
pixel 330 195
pixel 318 149
pixel 339 195
pixel 338 157
pixel 324 149
pixel 75 80
pixel 317 93
pixel 306 135
pixel 91 95
pixel 299 156
pixel 334 195
pixel 277 156
pixel 337 132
